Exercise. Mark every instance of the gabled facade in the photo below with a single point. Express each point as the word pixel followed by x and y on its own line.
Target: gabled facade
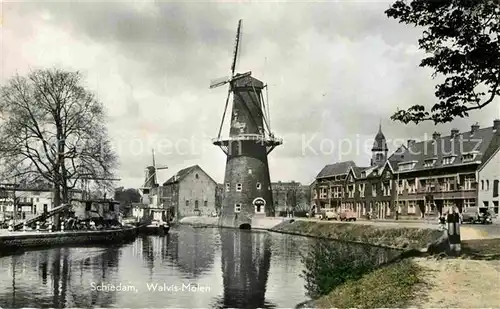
pixel 444 172
pixel 422 178
pixel 190 192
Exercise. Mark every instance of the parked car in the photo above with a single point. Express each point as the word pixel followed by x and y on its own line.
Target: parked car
pixel 470 215
pixel 347 215
pixel 329 214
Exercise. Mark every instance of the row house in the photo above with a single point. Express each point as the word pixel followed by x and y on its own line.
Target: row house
pixel 443 172
pixel 418 179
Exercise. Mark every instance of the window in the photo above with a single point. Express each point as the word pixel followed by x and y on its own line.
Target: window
pixel 196 204
pixel 495 188
pixel 196 176
pixel 487 185
pixel 187 202
pixel 469 203
pixel 363 174
pixel 482 184
pixel 469 183
pixel 401 186
pixel 250 171
pixel 485 204
pixel 468 157
pixel 412 185
pixel 259 186
pixel 406 166
pixel 238 187
pixel 495 207
pixel 374 190
pixel 88 206
pixel 351 179
pixel 446 184
pixel 237 208
pixel 205 203
pixel 429 162
pixel 411 207
pixel 361 190
pixel 350 191
pixel 111 207
pixel 37 199
pixel 228 187
pixel 448 160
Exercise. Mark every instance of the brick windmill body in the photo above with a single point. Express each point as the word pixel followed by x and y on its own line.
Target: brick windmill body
pixel 247 185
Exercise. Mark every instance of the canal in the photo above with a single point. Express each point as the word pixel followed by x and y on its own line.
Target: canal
pixel 189 268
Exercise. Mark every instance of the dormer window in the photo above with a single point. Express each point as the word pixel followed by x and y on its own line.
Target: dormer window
pixel 351 179
pixel 467 157
pixel 363 174
pixel 406 166
pixel 448 160
pixel 429 162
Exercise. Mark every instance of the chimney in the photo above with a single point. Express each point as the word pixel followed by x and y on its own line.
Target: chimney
pixel 474 128
pixel 454 132
pixel 410 142
pixel 496 124
pixel 436 135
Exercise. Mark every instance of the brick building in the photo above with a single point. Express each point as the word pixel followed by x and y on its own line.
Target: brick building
pixel 291 195
pixel 190 192
pixel 419 178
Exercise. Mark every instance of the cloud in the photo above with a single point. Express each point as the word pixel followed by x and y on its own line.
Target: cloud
pixel 334 72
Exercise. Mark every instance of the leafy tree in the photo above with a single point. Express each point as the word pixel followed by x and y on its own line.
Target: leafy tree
pixel 126 197
pixel 461 39
pixel 53 129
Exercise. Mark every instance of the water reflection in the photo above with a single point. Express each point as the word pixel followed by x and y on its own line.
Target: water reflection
pixel 245 261
pixel 57 278
pixel 242 269
pixel 329 264
pixel 192 251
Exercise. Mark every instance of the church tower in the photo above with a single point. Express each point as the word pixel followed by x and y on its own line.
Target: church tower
pixel 379 149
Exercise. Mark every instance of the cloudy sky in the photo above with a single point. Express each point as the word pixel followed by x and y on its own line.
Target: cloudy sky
pixel 335 71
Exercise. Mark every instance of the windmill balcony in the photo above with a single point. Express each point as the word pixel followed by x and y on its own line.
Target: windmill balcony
pixel 249 137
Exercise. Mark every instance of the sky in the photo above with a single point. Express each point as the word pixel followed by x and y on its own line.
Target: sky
pixel 335 72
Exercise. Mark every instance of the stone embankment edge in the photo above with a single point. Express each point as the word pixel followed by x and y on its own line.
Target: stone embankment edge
pixel 437 246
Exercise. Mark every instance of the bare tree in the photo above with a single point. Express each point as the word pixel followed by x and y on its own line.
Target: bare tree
pixel 53 129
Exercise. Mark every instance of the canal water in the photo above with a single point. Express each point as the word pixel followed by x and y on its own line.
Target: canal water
pixel 188 268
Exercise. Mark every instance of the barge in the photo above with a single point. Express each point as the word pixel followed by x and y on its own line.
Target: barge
pixel 155 228
pixel 18 241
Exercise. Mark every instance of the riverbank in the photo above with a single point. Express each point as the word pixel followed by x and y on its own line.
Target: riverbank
pixel 387 236
pixel 421 283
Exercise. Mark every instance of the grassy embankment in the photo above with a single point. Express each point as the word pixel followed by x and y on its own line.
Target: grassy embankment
pixel 394 237
pixel 392 286
pixel 363 286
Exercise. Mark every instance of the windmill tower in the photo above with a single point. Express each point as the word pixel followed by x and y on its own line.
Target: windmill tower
pixel 150 181
pixel 247 186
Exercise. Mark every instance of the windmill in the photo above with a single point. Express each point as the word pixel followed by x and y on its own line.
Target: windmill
pixel 247 183
pixel 150 181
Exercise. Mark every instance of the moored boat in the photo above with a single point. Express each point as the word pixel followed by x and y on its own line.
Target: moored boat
pixel 155 228
pixel 18 241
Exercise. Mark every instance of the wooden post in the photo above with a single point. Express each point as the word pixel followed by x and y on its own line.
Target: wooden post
pixel 453 220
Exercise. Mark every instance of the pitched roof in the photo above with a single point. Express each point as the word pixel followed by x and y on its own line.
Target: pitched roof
pixel 183 173
pixel 442 147
pixel 336 169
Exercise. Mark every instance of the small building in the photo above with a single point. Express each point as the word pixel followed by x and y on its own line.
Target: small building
pixel 489 173
pixel 101 208
pixel 30 202
pixel 190 192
